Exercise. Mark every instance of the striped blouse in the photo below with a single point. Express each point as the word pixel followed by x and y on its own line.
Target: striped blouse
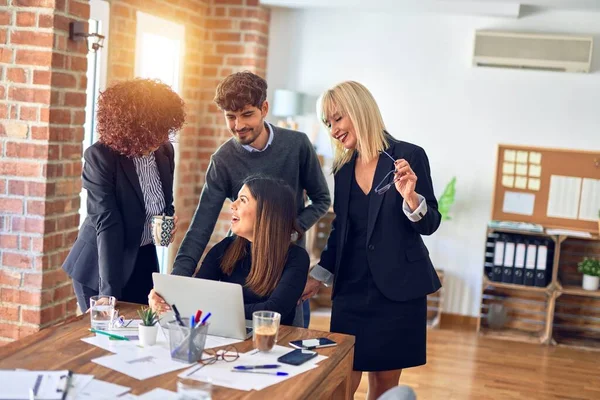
pixel 154 198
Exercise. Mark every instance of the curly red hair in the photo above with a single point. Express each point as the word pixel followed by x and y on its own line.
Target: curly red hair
pixel 138 115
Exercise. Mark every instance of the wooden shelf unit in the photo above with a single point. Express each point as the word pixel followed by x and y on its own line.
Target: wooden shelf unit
pixel 561 313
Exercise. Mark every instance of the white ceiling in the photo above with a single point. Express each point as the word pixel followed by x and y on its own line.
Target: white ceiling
pixel 503 8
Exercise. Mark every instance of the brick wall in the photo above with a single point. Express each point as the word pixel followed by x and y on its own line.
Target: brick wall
pixel 42 102
pixel 42 111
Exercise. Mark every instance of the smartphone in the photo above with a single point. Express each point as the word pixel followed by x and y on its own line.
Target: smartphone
pixel 309 344
pixel 297 357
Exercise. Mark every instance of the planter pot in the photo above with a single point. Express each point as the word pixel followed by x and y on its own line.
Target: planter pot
pixel 147 334
pixel 590 282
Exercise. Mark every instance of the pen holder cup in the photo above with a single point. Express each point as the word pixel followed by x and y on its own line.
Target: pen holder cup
pixel 186 344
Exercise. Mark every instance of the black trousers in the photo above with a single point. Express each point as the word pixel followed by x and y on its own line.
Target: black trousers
pixel 138 286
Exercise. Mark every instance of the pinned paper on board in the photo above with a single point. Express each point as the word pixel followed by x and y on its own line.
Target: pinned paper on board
pixel 533 184
pixel 518 203
pixel 521 182
pixel 535 171
pixel 535 158
pixel 508 168
pixel 508 181
pixel 589 207
pixel 563 197
pixel 510 155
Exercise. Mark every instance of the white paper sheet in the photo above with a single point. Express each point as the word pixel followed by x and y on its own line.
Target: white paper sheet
pixel 158 394
pixel 143 364
pixel 217 341
pixel 78 384
pixel 563 197
pixel 590 200
pixel 568 232
pixel 103 389
pixel 17 384
pixel 221 374
pixel 518 203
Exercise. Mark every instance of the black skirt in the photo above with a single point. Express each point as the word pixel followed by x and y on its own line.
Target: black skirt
pixel 389 335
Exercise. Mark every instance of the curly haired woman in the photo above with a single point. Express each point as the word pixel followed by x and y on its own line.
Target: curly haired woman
pixel 128 175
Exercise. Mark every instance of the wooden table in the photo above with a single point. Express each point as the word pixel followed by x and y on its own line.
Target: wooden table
pixel 60 347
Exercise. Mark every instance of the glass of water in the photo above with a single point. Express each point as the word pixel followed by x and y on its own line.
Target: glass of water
pixel 102 309
pixel 190 389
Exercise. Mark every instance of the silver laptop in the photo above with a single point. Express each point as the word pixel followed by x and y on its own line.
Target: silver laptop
pixel 223 300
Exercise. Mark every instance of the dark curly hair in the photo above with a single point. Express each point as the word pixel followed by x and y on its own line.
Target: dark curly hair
pixel 239 90
pixel 138 115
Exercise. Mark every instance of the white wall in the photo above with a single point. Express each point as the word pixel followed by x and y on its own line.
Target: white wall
pixel 418 68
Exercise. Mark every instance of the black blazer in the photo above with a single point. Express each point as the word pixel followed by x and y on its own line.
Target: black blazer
pixel 104 254
pixel 396 254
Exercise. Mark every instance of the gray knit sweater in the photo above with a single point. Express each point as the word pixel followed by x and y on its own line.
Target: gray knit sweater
pixel 290 157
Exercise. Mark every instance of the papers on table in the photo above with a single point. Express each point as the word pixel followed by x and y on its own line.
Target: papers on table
pixel 220 373
pixel 158 394
pixel 16 385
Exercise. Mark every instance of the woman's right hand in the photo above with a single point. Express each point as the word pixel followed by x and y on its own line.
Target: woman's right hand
pixel 157 303
pixel 312 288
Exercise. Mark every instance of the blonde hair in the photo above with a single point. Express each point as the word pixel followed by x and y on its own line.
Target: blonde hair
pixel 355 101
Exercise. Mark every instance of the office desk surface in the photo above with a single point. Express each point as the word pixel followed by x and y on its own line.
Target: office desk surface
pixel 60 347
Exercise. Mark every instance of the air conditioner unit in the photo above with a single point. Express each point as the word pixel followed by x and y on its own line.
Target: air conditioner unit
pixel 533 51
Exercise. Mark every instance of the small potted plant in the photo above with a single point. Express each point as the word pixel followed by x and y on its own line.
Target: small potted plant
pixel 590 268
pixel 148 329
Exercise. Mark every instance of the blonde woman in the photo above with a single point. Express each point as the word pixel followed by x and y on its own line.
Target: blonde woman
pixel 375 256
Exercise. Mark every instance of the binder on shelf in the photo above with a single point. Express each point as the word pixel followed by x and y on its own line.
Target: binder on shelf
pixel 541 275
pixel 530 258
pixel 488 263
pixel 509 260
pixel 519 270
pixel 498 259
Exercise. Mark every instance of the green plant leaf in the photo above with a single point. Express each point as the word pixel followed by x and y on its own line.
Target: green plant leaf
pixel 447 199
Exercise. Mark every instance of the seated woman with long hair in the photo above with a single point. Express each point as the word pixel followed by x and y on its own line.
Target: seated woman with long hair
pixel 261 256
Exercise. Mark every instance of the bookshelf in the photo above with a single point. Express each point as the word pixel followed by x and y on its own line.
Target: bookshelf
pixel 561 313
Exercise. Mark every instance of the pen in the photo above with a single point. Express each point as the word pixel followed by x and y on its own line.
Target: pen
pixel 205 318
pixel 177 315
pixel 111 335
pixel 198 315
pixel 262 372
pixel 248 367
pixel 192 322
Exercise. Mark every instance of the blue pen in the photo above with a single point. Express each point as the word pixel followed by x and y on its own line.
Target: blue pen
pixel 205 318
pixel 192 322
pixel 248 367
pixel 262 372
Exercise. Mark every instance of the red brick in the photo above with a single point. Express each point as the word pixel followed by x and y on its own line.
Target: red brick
pixel 27 225
pixel 227 36
pixel 70 151
pixel 16 332
pixel 36 207
pixel 230 49
pixel 34 3
pixel 42 77
pixel 17 187
pixel 10 278
pixel 25 19
pixel 5 17
pixel 31 38
pixel 28 113
pixel 60 116
pixel 62 80
pixel 26 150
pixel 29 95
pixel 25 244
pixel 9 242
pixel 252 2
pixel 218 23
pixel 6 56
pixel 81 10
pixel 78 118
pixel 54 278
pixel 73 99
pixel 121 10
pixel 61 5
pixel 32 280
pixel 37 244
pixel 63 292
pixel 3 36
pixel 3 111
pixel 23 297
pixel 16 260
pixel 44 114
pixel 11 206
pixel 40 132
pixel 34 57
pixel 230 2
pixel 59 61
pixel 46 21
pixel 9 313
pixel 78 64
pixel 16 75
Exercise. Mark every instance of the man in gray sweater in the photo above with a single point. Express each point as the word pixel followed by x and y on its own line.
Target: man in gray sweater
pixel 255 148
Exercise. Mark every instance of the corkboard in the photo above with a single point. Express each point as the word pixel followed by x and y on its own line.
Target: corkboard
pixel 564 165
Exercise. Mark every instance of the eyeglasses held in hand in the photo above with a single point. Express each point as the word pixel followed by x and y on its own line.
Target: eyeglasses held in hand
pixel 379 189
